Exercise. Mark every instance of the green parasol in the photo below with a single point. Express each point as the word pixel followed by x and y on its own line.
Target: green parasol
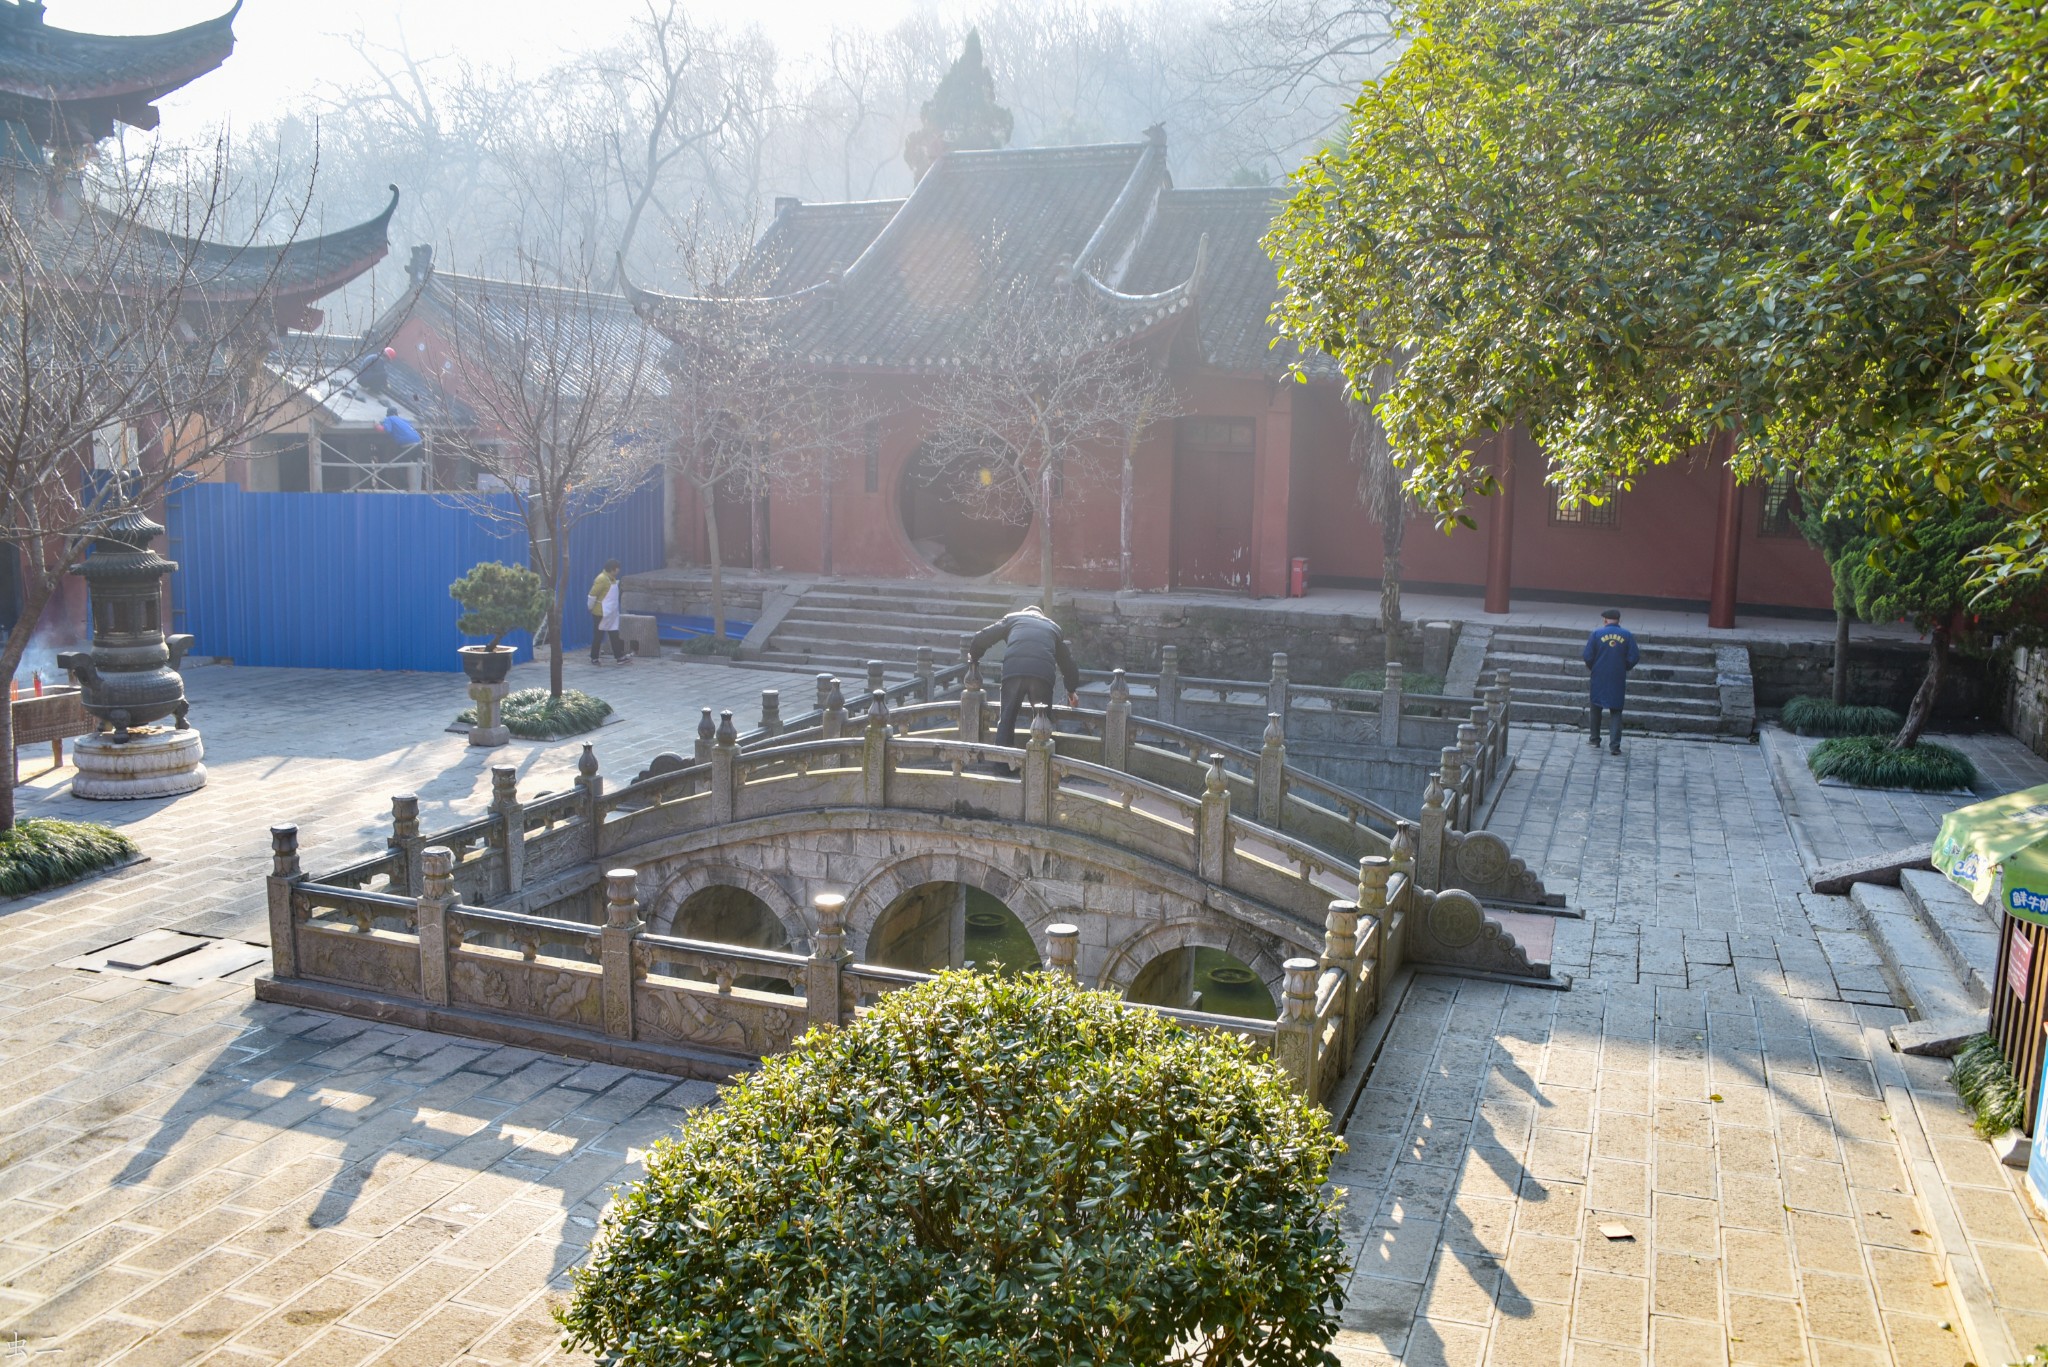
pixel 1999 851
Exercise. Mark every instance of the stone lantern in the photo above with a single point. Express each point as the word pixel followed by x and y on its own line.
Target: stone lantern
pixel 130 676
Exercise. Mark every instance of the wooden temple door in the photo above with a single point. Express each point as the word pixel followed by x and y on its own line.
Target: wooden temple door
pixel 1212 503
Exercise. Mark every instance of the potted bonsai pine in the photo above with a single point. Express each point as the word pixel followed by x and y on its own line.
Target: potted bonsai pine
pixel 496 600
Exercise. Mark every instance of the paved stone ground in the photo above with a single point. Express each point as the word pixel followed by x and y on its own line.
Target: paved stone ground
pixel 188 1174
pixel 1716 1081
pixel 1834 823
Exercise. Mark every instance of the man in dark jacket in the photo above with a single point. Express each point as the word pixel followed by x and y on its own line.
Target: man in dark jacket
pixel 1610 654
pixel 1033 649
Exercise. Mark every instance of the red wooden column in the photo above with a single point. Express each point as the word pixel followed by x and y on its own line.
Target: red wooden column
pixel 1500 533
pixel 1272 464
pixel 1727 539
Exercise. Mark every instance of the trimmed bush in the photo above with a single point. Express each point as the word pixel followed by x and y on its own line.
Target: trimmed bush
pixel 532 713
pixel 1809 716
pixel 42 853
pixel 1987 1086
pixel 981 1170
pixel 1412 681
pixel 1870 762
pixel 498 599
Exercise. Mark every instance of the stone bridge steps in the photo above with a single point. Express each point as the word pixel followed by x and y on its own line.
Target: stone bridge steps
pixel 840 627
pixel 1679 688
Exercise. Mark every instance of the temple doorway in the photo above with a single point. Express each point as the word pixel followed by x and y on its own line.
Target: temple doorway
pixel 1212 503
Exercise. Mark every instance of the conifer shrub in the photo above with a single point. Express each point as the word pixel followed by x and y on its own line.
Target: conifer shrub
pixel 44 853
pixel 535 715
pixel 981 1170
pixel 1872 762
pixel 1812 716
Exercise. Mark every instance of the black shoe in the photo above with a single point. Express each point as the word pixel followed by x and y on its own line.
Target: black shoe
pixel 1614 749
pixel 1592 740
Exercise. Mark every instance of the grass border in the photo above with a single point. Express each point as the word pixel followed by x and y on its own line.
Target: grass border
pixel 41 853
pixel 1870 762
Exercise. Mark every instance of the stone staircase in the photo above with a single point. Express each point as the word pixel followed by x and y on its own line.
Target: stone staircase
pixel 1939 947
pixel 841 626
pixel 1680 688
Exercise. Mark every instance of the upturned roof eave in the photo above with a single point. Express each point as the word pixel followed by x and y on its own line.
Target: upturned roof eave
pixel 117 83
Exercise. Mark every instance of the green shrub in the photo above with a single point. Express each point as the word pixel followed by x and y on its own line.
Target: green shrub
pixel 980 1170
pixel 1810 716
pixel 1987 1086
pixel 532 713
pixel 43 853
pixel 497 599
pixel 711 645
pixel 1412 681
pixel 1870 762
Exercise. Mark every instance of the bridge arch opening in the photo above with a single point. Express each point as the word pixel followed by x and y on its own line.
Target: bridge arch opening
pixel 728 915
pixel 951 925
pixel 1198 978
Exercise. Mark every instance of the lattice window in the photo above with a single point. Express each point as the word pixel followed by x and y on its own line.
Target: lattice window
pixel 1781 508
pixel 1585 513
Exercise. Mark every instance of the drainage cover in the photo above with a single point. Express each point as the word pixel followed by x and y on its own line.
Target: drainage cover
pixel 176 958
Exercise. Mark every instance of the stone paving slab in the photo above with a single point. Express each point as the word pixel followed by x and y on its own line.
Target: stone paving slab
pixel 190 1174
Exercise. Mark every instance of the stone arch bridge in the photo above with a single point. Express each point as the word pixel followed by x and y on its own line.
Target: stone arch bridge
pixel 1115 840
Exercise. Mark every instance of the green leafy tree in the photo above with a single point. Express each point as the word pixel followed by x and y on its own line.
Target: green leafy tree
pixel 499 599
pixel 981 1170
pixel 1925 578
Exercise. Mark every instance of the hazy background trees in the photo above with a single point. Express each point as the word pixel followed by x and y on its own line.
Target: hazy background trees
pixel 685 114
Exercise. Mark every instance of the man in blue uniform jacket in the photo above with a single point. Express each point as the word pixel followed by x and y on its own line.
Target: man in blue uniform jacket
pixel 1610 654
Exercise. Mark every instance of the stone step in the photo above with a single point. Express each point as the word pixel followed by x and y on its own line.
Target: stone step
pixel 1573 713
pixel 842 595
pixel 1539 667
pixel 1959 926
pixel 1916 962
pixel 1546 648
pixel 1576 700
pixel 920 619
pixel 850 634
pixel 1568 685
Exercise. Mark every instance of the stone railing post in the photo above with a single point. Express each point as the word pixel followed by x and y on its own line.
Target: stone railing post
pixel 925 671
pixel 1429 838
pixel 621 924
pixel 1063 950
pixel 1390 704
pixel 590 783
pixel 725 754
pixel 284 875
pixel 1340 952
pixel 825 682
pixel 1116 725
pixel 511 825
pixel 824 988
pixel 874 751
pixel 1504 688
pixel 1394 926
pixel 771 711
pixel 707 736
pixel 1038 775
pixel 406 841
pixel 1469 767
pixel 430 919
pixel 1271 796
pixel 1373 872
pixel 1276 689
pixel 971 696
pixel 1294 1035
pixel 1212 836
pixel 1168 705
pixel 877 680
pixel 1450 773
pixel 835 713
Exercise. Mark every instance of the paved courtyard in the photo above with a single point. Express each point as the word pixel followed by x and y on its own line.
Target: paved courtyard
pixel 188 1175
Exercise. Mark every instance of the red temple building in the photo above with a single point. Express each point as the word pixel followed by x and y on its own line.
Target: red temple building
pixel 1255 471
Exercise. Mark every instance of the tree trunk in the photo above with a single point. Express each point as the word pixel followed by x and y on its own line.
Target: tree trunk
pixel 708 499
pixel 1045 537
pixel 1922 710
pixel 37 591
pixel 558 559
pixel 1390 585
pixel 757 529
pixel 1125 497
pixel 1845 609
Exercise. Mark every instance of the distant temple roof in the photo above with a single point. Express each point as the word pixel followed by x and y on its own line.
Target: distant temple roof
pixel 900 284
pixel 69 89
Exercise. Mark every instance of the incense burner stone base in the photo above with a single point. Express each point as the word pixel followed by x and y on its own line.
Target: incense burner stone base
pixel 154 762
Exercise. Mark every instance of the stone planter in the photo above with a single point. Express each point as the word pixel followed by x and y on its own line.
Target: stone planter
pixel 485 665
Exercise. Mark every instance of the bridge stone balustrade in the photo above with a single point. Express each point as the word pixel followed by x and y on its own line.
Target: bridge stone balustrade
pixel 546 922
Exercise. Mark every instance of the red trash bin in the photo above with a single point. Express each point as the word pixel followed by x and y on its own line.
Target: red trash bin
pixel 1297 577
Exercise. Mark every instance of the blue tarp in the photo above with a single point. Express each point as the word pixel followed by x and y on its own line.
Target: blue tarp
pixel 676 626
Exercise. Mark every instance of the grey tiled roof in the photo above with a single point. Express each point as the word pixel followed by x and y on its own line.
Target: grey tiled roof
pixel 807 242
pixel 117 76
pixel 603 329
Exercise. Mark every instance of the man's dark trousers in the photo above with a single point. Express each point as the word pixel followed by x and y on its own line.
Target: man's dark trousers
pixel 1614 723
pixel 1018 690
pixel 597 639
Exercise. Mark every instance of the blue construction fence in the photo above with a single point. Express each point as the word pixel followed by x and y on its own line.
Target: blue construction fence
pixel 360 581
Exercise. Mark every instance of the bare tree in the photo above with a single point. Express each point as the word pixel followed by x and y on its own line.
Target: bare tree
pixel 745 413
pixel 566 384
pixel 1044 390
pixel 131 352
pixel 1278 75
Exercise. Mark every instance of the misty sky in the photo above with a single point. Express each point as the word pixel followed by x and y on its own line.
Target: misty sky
pixel 285 49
